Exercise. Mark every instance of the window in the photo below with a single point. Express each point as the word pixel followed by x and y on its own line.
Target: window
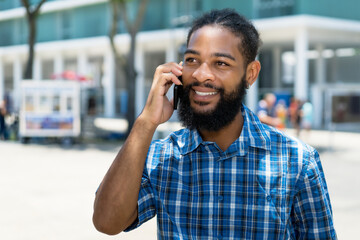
pixel 56 104
pixel 186 10
pixel 8 77
pixel 69 104
pixel 65 25
pixel 47 68
pixel 274 8
pixel 6 30
pixel 152 60
pixel 70 64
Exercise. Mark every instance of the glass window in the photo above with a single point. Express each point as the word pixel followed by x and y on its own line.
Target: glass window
pixel 95 70
pixel 186 11
pixel 70 64
pixel 8 73
pixel 46 27
pixel 44 104
pixel 29 103
pixel 56 103
pixel 69 104
pixel 47 68
pixel 65 25
pixel 274 8
pixel 94 16
pixel 9 4
pixel 152 60
pixel 6 30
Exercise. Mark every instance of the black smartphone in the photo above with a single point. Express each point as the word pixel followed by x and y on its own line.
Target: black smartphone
pixel 178 89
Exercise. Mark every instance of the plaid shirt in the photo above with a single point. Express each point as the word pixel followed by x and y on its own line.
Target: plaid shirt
pixel 266 185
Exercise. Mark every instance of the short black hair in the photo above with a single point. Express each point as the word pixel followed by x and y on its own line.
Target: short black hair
pixel 237 24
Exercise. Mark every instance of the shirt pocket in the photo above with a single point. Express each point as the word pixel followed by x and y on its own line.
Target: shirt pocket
pixel 270 207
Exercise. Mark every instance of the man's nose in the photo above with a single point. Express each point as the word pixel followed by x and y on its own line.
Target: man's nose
pixel 203 73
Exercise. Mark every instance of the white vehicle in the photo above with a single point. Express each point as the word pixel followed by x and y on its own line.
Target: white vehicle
pixel 50 108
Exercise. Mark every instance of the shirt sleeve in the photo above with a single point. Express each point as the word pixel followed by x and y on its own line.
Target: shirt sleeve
pixel 146 203
pixel 312 214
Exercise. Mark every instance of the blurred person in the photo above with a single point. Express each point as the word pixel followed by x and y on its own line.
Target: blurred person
pixel 266 111
pixel 281 113
pixel 3 129
pixel 307 116
pixel 295 115
pixel 225 175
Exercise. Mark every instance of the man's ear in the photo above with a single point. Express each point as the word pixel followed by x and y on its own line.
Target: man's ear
pixel 252 72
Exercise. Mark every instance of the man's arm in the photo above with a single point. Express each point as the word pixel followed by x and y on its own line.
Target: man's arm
pixel 312 214
pixel 115 206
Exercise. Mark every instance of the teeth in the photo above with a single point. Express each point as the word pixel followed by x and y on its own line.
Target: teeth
pixel 205 93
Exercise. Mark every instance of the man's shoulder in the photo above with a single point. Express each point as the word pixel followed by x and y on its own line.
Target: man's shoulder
pixel 279 136
pixel 166 148
pixel 174 139
pixel 279 140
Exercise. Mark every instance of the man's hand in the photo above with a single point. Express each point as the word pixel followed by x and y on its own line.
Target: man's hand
pixel 159 108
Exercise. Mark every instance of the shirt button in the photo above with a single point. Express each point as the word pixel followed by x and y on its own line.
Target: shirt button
pixel 219 237
pixel 220 198
pixel 268 198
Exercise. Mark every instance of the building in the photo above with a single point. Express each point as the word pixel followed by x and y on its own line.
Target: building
pixel 311 49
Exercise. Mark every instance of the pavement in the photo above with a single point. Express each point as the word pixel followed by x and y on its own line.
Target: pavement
pixel 47 191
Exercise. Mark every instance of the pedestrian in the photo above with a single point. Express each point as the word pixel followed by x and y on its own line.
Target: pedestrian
pixel 306 117
pixel 266 111
pixel 281 113
pixel 225 175
pixel 3 129
pixel 295 115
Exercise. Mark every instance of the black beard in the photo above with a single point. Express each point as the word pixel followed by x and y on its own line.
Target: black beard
pixel 223 114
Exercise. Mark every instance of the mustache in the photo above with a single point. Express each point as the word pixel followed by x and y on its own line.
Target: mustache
pixel 207 85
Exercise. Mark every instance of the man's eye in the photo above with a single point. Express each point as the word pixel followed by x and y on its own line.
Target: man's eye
pixel 219 63
pixel 190 60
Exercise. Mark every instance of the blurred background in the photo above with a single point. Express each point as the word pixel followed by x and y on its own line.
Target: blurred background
pixel 74 74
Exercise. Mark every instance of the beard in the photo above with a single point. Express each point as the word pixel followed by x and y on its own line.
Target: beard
pixel 213 120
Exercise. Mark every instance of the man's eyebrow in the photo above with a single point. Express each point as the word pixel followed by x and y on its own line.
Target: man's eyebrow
pixel 224 55
pixel 191 51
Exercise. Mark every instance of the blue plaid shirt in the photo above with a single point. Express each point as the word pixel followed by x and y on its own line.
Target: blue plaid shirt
pixel 266 185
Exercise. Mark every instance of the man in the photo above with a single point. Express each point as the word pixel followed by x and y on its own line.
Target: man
pixel 266 110
pixel 226 175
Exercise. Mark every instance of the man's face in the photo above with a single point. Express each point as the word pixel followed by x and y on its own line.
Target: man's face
pixel 213 78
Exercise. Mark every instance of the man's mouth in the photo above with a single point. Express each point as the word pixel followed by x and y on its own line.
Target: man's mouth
pixel 205 93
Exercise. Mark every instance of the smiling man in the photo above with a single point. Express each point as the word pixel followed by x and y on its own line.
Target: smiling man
pixel 226 175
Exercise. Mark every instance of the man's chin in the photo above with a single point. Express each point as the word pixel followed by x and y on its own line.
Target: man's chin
pixel 202 108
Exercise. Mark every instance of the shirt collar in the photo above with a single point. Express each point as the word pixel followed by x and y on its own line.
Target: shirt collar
pixel 258 134
pixel 189 141
pixel 254 134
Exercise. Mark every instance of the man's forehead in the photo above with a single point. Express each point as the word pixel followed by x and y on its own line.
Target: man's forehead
pixel 215 34
pixel 214 54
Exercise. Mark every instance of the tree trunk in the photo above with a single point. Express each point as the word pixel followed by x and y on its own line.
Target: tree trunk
pixel 131 75
pixel 31 14
pixel 127 63
pixel 31 44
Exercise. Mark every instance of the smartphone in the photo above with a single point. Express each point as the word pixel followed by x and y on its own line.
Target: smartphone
pixel 178 89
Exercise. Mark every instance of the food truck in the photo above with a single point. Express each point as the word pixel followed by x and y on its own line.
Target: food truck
pixel 49 108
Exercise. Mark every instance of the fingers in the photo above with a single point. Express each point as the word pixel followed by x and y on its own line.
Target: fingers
pixel 158 107
pixel 169 73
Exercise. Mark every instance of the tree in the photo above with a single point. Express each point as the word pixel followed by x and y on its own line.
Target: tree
pixel 32 12
pixel 127 62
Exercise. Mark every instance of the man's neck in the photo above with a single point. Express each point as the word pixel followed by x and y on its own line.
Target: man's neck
pixel 227 135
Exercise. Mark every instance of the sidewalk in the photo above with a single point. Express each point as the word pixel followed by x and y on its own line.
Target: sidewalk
pixel 48 191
